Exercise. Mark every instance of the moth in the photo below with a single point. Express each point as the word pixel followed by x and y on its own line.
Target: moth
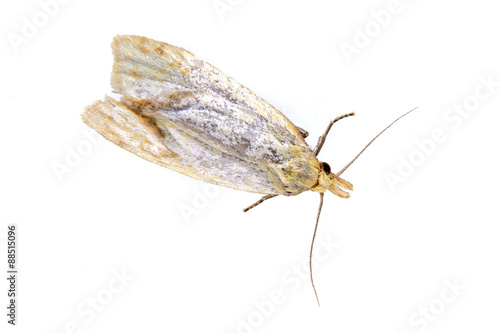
pixel 184 114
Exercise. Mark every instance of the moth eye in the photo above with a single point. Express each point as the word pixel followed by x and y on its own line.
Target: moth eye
pixel 326 167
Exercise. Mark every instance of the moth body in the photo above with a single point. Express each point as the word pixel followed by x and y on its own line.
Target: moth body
pixel 184 114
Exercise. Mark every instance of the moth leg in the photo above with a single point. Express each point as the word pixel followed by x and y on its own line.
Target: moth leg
pixel 322 138
pixel 264 198
pixel 303 132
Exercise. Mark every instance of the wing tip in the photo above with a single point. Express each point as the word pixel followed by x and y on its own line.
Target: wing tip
pixel 120 125
pixel 99 116
pixel 90 110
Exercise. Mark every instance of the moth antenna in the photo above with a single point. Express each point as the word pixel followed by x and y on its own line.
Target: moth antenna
pixel 312 244
pixel 322 138
pixel 369 143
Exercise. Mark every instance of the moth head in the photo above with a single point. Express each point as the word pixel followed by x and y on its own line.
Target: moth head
pixel 333 183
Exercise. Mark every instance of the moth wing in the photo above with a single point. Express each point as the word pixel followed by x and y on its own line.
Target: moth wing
pixel 160 79
pixel 116 123
pixel 144 68
pixel 173 147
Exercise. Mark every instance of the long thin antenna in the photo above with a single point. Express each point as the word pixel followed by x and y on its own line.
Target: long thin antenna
pixel 322 138
pixel 369 143
pixel 312 245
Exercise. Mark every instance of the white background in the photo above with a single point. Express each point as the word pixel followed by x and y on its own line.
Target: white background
pixel 113 212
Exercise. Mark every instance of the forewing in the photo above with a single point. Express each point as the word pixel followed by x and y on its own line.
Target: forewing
pixel 172 145
pixel 211 127
pixel 145 68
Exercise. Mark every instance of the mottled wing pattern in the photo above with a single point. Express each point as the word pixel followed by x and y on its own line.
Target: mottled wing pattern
pixel 118 124
pixel 209 126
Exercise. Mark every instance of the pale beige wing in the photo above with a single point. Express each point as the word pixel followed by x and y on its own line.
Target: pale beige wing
pixel 175 146
pixel 218 130
pixel 130 131
pixel 147 69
